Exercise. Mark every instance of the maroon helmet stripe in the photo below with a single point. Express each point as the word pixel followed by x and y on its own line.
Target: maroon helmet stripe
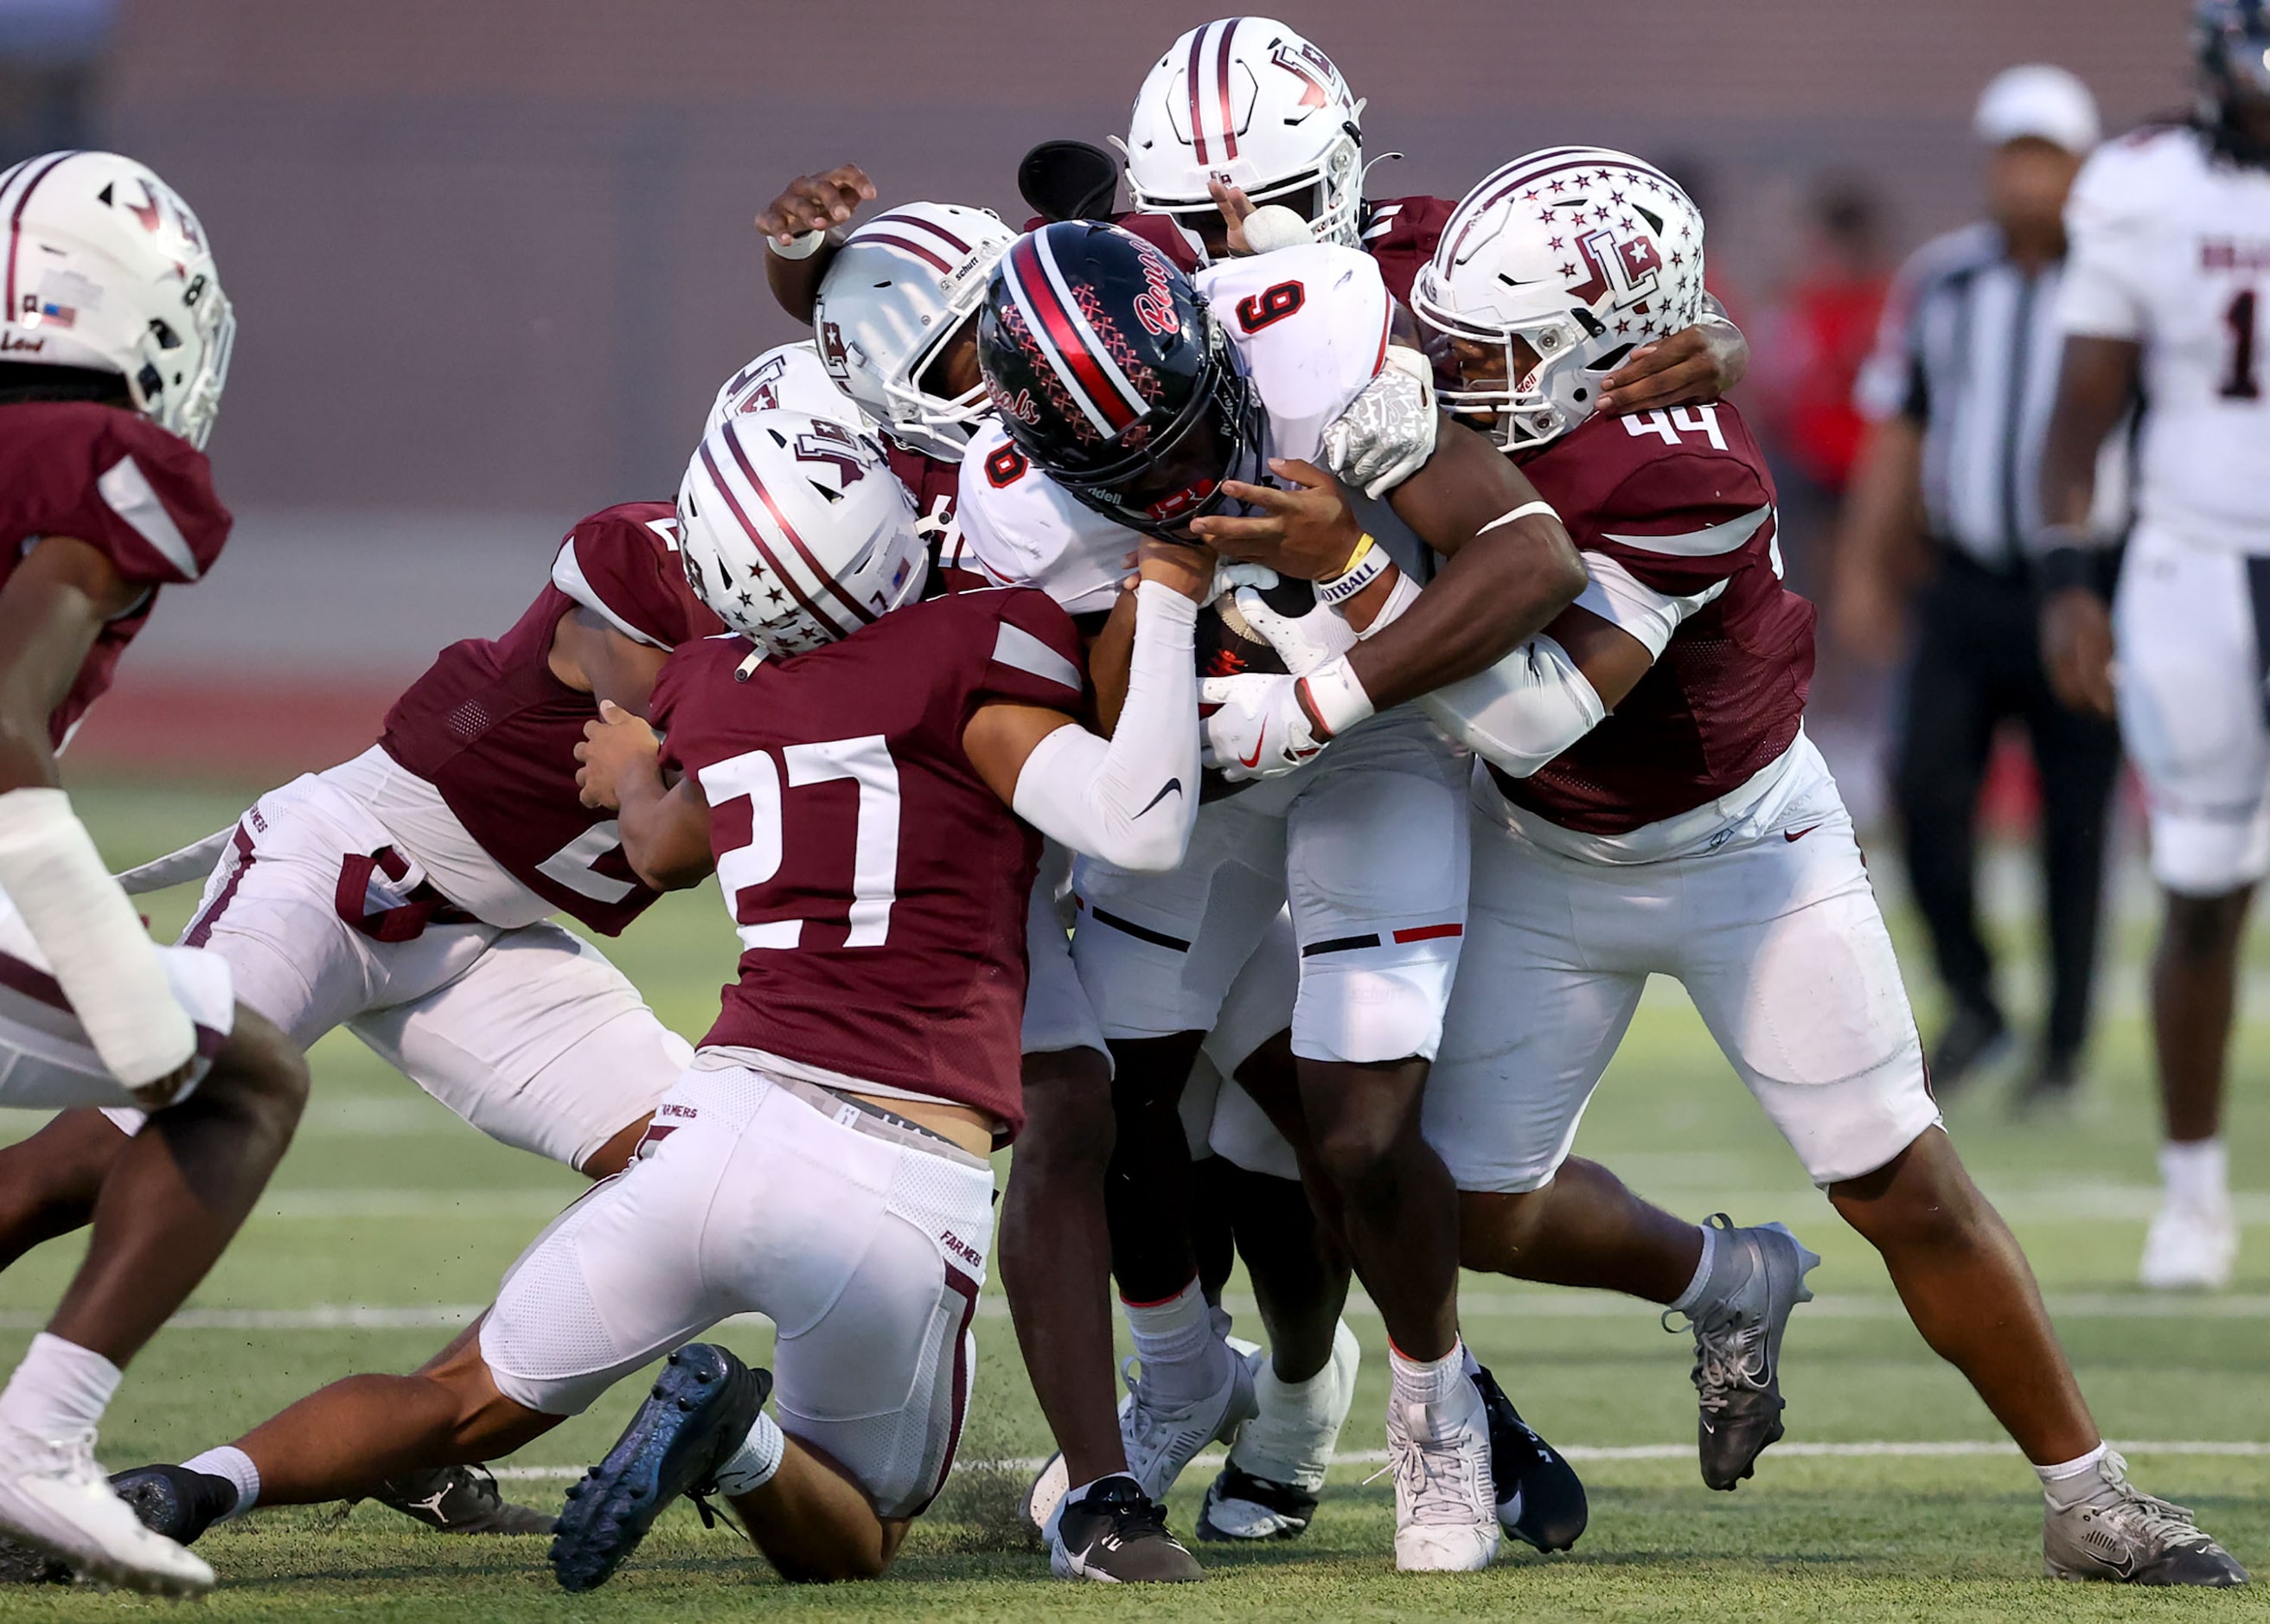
pixel 1062 335
pixel 16 225
pixel 1197 111
pixel 826 576
pixel 757 537
pixel 1525 177
pixel 1222 87
pixel 891 240
pixel 931 226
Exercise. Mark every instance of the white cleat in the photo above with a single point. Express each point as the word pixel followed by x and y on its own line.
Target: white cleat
pixel 53 1497
pixel 1446 1505
pixel 1162 1439
pixel 2190 1248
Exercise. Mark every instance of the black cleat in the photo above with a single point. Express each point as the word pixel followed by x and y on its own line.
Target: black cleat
pixel 460 1500
pixel 699 1413
pixel 1737 1372
pixel 1975 1041
pixel 1116 1534
pixel 175 1501
pixel 1242 1507
pixel 1540 1499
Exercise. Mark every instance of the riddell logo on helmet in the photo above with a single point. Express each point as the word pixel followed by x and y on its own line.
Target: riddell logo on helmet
pixel 1155 306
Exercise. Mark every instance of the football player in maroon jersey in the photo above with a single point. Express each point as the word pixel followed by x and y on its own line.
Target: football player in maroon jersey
pixel 1652 805
pixel 867 775
pixel 114 347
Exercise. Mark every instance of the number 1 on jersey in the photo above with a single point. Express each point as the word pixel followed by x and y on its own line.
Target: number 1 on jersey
pixel 2240 383
pixel 755 776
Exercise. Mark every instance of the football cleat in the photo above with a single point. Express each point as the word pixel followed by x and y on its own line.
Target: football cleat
pixel 460 1500
pixel 2189 1247
pixel 1445 1511
pixel 1269 1488
pixel 175 1501
pixel 698 1414
pixel 1540 1499
pixel 54 1499
pixel 1738 1350
pixel 1116 1534
pixel 2123 1536
pixel 1162 1439
pixel 1241 1506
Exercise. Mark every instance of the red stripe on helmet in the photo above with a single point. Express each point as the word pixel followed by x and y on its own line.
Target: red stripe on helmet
pixel 891 240
pixel 757 537
pixel 1198 115
pixel 1222 87
pixel 931 226
pixel 16 227
pixel 826 576
pixel 1062 334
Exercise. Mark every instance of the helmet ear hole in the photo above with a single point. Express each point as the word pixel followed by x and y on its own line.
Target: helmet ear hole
pixel 167 338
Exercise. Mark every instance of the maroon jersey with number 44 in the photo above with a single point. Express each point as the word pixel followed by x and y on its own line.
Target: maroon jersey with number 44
pixel 138 494
pixel 1682 501
pixel 491 729
pixel 877 885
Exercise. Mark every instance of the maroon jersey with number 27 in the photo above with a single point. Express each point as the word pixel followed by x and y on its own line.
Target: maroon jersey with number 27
pixel 877 885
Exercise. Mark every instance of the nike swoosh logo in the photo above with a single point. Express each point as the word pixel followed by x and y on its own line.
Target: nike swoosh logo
pixel 1798 835
pixel 1173 787
pixel 1255 759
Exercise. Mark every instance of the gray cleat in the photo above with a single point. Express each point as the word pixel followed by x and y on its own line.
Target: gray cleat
pixel 2123 1536
pixel 460 1500
pixel 1738 1350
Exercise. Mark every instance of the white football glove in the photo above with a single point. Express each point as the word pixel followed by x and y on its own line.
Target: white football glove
pixel 1387 433
pixel 1303 642
pixel 1254 726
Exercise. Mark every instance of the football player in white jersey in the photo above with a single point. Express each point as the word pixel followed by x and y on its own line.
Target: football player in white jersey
pixel 1650 806
pixel 2168 288
pixel 1123 396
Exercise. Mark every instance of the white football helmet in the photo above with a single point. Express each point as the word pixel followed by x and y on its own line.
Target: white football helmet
pixel 895 295
pixel 1563 261
pixel 108 270
pixel 787 377
pixel 792 529
pixel 1246 101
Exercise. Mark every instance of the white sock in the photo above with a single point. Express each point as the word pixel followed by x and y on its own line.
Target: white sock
pixel 233 1464
pixel 2197 1173
pixel 1291 1440
pixel 60 1391
pixel 2060 1481
pixel 752 1465
pixel 1428 1381
pixel 1684 1304
pixel 1183 1359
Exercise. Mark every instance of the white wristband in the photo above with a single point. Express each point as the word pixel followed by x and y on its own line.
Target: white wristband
pixel 1336 697
pixel 803 247
pixel 1400 597
pixel 94 941
pixel 1374 564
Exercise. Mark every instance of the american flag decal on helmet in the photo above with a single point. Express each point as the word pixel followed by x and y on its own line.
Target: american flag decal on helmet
pixel 1081 357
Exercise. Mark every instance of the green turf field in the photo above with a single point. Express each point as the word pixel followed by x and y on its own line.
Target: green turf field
pixel 390 1220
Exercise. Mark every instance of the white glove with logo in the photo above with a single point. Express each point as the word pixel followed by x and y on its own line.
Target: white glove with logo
pixel 1303 642
pixel 1254 726
pixel 1387 433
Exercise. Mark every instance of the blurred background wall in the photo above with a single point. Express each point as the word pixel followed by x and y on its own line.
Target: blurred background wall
pixel 492 257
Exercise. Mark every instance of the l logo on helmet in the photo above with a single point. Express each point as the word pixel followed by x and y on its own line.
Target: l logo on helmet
pixel 831 351
pixel 1628 265
pixel 1306 63
pixel 827 443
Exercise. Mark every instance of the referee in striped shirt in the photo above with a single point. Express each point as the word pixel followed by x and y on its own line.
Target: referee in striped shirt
pixel 1959 394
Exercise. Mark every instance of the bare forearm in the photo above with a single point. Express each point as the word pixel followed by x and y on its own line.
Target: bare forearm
pixel 1505 586
pixel 795 283
pixel 2094 384
pixel 1880 520
pixel 1110 659
pixel 667 850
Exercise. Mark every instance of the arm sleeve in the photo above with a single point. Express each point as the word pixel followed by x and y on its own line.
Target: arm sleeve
pixel 1639 611
pixel 1129 802
pixel 1523 711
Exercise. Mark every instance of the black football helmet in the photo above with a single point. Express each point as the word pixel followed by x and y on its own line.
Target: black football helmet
pixel 2231 40
pixel 1113 377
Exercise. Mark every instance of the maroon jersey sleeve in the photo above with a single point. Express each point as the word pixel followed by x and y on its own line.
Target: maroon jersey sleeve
pixel 1036 658
pixel 622 564
pixel 1159 230
pixel 115 480
pixel 1681 499
pixel 1401 233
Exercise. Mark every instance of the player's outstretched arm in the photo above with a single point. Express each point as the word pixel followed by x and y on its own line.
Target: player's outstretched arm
pixel 2095 381
pixel 1130 800
pixel 793 263
pixel 664 827
pixel 51 611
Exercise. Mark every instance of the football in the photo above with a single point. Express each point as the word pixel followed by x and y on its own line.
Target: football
pixel 1229 646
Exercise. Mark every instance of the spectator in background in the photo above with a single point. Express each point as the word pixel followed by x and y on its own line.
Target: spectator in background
pixel 1828 327
pixel 1959 392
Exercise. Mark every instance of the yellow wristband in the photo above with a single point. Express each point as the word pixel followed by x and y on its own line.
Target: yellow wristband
pixel 1363 545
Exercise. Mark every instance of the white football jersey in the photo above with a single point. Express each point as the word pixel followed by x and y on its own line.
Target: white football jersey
pixel 2170 248
pixel 1307 325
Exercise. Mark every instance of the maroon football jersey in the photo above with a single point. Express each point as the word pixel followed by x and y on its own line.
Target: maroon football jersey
pixel 1401 233
pixel 112 478
pixel 1683 501
pixel 879 887
pixel 935 486
pixel 491 729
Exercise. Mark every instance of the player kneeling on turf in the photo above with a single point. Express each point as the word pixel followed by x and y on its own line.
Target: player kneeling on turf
pixel 870 777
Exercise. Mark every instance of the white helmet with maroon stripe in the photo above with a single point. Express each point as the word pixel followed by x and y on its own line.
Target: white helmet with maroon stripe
pixel 896 295
pixel 1246 101
pixel 1547 274
pixel 792 530
pixel 108 271
pixel 787 377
